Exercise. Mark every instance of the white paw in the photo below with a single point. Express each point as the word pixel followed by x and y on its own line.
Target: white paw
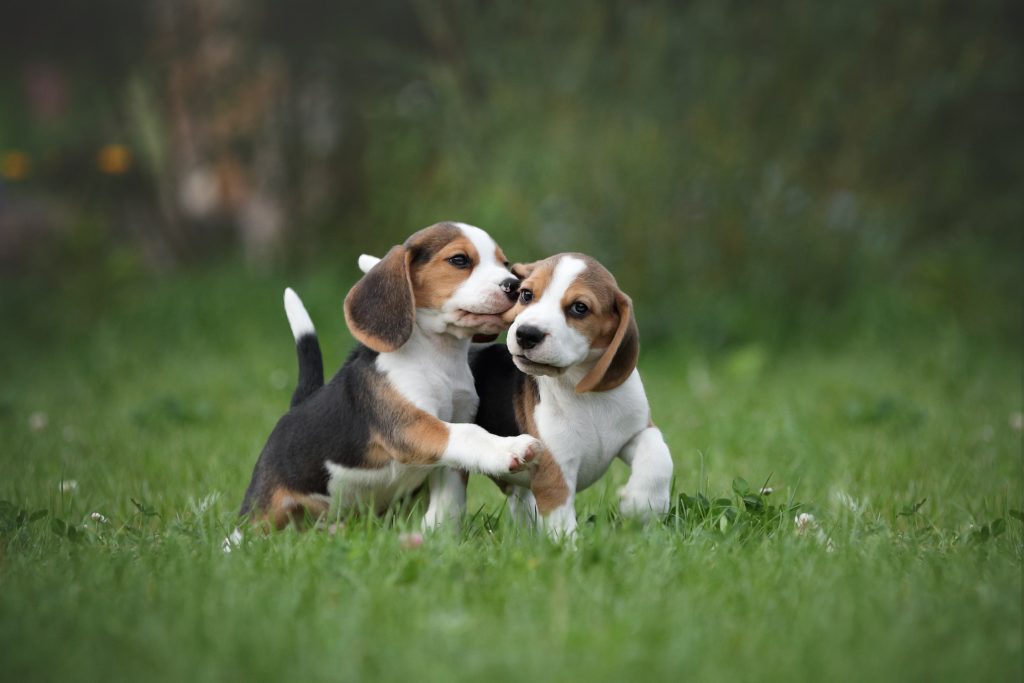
pixel 431 520
pixel 233 541
pixel 636 501
pixel 523 452
pixel 437 520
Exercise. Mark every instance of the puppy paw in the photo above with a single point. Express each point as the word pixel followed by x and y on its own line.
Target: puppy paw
pixel 643 504
pixel 525 450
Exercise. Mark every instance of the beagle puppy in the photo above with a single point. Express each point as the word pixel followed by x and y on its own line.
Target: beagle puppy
pixel 394 415
pixel 568 376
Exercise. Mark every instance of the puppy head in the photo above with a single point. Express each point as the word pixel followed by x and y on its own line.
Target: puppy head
pixel 453 274
pixel 571 313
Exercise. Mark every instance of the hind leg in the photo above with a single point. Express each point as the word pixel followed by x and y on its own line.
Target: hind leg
pixel 289 507
pixel 447 499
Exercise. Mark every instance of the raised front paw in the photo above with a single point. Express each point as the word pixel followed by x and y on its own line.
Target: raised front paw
pixel 524 450
pixel 635 501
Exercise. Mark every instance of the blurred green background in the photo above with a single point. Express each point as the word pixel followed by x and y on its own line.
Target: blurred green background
pixel 816 207
pixel 750 172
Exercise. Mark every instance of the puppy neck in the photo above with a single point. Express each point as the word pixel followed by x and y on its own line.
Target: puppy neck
pixel 431 322
pixel 565 382
pixel 432 337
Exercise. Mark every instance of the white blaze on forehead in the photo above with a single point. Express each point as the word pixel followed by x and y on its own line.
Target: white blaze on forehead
pixel 546 309
pixel 485 246
pixel 566 271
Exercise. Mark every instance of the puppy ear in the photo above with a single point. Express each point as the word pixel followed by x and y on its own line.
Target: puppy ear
pixel 619 360
pixel 523 270
pixel 379 309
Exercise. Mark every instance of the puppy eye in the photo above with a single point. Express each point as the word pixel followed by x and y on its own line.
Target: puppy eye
pixel 578 309
pixel 525 296
pixel 508 265
pixel 460 261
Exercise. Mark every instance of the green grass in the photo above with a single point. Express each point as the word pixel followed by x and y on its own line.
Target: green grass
pixel 164 392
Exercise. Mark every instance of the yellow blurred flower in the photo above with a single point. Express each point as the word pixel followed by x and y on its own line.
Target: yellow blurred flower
pixel 114 159
pixel 14 165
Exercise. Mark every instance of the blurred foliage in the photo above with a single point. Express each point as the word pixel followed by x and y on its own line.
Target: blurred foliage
pixel 744 169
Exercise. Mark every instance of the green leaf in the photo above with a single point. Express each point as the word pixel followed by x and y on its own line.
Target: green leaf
pixel 1017 514
pixel 144 509
pixel 998 527
pixel 59 526
pixel 753 503
pixel 37 515
pixel 740 486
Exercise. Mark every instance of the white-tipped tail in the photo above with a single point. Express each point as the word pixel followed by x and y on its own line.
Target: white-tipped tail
pixel 366 262
pixel 298 318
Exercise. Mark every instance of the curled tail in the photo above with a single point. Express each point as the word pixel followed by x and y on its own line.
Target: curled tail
pixel 311 363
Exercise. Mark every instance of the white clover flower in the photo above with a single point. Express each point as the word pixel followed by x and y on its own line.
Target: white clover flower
pixel 97 517
pixel 68 485
pixel 805 522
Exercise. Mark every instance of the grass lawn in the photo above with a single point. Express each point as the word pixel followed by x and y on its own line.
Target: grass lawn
pixel 149 403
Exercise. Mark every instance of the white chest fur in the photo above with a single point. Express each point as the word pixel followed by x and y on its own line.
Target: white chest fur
pixel 584 432
pixel 432 372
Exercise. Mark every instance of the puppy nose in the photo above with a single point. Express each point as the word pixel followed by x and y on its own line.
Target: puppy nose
pixel 529 336
pixel 511 288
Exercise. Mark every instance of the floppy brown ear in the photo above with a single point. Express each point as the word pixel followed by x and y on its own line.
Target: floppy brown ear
pixel 523 270
pixel 379 309
pixel 618 361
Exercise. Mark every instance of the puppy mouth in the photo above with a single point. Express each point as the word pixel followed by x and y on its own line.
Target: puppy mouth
pixel 484 321
pixel 531 366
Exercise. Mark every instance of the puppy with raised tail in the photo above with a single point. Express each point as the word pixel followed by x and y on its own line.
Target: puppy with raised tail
pixel 393 416
pixel 568 376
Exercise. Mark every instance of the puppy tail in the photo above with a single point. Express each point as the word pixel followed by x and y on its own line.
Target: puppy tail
pixel 307 347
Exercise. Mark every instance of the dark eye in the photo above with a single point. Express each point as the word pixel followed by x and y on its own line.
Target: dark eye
pixel 460 261
pixel 508 265
pixel 525 296
pixel 578 309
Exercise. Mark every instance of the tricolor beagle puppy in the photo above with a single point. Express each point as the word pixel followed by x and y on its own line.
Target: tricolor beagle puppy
pixel 569 377
pixel 389 418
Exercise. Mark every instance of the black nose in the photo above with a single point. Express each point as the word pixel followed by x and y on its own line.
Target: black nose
pixel 529 336
pixel 511 288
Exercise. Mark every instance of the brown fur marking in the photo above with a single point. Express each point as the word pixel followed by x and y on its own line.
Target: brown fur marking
pixel 434 281
pixel 536 278
pixel 525 403
pixel 413 436
pixel 290 506
pixel 548 484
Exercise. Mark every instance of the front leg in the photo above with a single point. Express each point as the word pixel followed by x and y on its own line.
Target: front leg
pixel 554 488
pixel 447 487
pixel 421 439
pixel 647 492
